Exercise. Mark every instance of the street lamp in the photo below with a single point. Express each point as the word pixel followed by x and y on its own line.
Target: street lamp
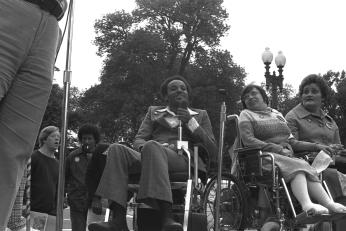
pixel 272 80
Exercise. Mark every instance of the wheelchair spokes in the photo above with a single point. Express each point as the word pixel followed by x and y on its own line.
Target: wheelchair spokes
pixel 231 204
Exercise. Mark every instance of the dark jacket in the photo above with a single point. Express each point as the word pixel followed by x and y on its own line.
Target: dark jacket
pixel 95 169
pixel 155 127
pixel 76 165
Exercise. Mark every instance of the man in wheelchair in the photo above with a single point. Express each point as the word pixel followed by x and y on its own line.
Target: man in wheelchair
pixel 155 156
pixel 265 128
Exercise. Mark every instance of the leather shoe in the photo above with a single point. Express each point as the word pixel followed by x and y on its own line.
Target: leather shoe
pixel 171 225
pixel 107 226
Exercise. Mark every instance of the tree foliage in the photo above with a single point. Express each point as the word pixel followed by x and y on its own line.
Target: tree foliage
pixel 287 99
pixel 53 113
pixel 336 104
pixel 158 39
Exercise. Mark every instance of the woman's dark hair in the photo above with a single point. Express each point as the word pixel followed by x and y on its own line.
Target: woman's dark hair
pixel 248 88
pixel 163 87
pixel 319 81
pixel 89 129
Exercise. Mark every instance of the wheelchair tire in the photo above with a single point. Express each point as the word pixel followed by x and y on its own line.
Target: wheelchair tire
pixel 232 203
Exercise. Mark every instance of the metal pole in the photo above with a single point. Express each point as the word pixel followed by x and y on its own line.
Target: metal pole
pixel 67 82
pixel 219 168
pixel 274 95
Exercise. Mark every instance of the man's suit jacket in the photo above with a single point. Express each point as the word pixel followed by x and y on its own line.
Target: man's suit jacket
pixel 156 127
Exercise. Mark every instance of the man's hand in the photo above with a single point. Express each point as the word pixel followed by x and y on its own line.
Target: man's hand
pixel 170 146
pixel 286 152
pixel 96 205
pixel 184 115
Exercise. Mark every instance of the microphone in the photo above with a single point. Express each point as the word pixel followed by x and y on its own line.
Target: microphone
pixel 182 104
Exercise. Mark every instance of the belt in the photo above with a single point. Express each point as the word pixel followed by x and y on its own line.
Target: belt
pixel 54 7
pixel 37 2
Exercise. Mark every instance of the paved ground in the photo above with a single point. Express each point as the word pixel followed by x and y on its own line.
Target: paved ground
pixel 67 221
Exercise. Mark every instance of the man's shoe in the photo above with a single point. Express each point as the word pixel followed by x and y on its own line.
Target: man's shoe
pixel 107 226
pixel 171 225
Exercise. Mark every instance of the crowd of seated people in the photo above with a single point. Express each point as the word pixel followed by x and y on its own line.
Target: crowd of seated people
pixel 306 128
pixel 155 151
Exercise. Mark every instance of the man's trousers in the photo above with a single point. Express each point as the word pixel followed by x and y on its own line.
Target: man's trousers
pixel 155 162
pixel 28 41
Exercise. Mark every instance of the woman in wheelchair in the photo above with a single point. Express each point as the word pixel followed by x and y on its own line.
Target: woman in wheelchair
pixel 265 128
pixel 308 122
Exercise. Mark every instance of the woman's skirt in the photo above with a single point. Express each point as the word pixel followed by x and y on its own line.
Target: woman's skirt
pixel 291 166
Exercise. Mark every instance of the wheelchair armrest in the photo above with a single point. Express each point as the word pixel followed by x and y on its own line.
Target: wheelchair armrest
pixel 251 160
pixel 303 155
pixel 247 151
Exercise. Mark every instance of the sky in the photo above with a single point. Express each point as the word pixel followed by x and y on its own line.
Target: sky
pixel 310 33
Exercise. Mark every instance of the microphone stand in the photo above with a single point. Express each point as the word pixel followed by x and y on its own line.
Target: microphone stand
pixel 67 83
pixel 183 146
pixel 180 138
pixel 219 172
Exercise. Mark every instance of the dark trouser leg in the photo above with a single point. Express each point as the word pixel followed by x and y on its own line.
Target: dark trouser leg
pixel 340 164
pixel 157 162
pixel 340 225
pixel 168 224
pixel 117 222
pixel 121 161
pixel 78 219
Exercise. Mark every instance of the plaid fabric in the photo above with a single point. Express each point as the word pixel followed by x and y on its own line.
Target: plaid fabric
pixel 27 195
pixel 17 221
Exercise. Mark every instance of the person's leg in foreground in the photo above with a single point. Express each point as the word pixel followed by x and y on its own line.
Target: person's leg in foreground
pixel 78 220
pixel 28 41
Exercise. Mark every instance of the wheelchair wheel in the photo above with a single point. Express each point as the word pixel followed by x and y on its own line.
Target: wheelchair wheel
pixel 232 204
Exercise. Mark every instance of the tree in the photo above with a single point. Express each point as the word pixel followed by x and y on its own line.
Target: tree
pixel 341 99
pixel 53 113
pixel 287 100
pixel 183 25
pixel 197 23
pixel 159 39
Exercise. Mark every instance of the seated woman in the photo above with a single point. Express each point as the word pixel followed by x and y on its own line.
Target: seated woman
pixel 265 128
pixel 308 122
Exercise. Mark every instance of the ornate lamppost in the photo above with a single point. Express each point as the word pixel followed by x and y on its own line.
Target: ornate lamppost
pixel 272 80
